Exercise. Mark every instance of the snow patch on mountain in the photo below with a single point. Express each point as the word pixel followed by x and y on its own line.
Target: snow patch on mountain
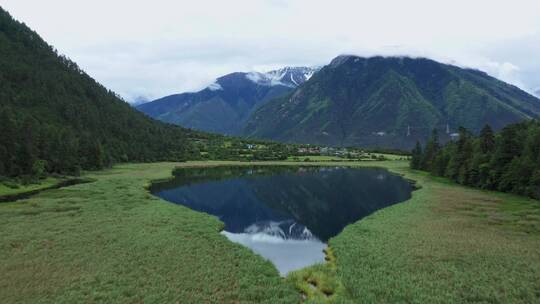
pixel 215 86
pixel 288 76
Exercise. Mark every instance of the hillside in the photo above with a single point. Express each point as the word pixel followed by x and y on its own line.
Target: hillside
pixel 57 119
pixel 389 102
pixel 224 106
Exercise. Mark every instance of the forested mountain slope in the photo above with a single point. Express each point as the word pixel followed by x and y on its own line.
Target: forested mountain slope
pixel 56 118
pixel 390 102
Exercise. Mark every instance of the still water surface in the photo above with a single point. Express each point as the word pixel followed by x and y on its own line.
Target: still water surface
pixel 285 214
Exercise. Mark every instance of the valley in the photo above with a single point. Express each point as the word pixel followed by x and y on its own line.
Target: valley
pixel 374 102
pixel 372 177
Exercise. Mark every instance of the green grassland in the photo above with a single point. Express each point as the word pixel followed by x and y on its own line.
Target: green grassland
pixel 448 244
pixel 111 241
pixel 316 158
pixel 11 188
pixel 330 158
pixel 390 156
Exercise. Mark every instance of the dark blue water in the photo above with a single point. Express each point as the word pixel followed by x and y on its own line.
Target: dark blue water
pixel 285 214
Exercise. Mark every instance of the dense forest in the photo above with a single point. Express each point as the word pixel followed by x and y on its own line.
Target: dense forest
pixel 508 161
pixel 57 119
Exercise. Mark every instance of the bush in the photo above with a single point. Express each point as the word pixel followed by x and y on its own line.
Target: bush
pixel 11 184
pixel 39 168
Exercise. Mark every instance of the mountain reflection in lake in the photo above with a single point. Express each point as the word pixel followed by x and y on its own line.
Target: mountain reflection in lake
pixel 285 213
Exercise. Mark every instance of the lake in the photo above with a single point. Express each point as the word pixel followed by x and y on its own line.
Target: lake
pixel 285 213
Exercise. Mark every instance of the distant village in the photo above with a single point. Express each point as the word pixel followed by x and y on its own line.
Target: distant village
pixel 318 150
pixel 329 151
pixel 310 151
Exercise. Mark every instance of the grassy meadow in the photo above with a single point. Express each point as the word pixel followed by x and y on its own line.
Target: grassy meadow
pixel 111 241
pixel 10 188
pixel 447 244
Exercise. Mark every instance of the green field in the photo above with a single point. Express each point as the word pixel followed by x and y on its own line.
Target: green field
pixel 391 156
pixel 448 244
pixel 17 189
pixel 329 158
pixel 111 241
pixel 316 158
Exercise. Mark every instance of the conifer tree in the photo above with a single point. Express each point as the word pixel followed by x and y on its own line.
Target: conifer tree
pixel 508 161
pixel 487 139
pixel 416 157
pixel 432 148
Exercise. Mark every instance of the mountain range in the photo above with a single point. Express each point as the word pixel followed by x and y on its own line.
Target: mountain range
pixel 389 102
pixel 386 102
pixel 225 105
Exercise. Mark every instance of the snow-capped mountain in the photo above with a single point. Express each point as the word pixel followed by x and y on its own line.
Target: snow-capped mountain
pixel 537 92
pixel 288 76
pixel 224 105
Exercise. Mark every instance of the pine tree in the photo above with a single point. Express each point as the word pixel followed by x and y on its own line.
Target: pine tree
pixel 432 148
pixel 9 143
pixel 28 153
pixel 487 139
pixel 508 161
pixel 440 163
pixel 416 157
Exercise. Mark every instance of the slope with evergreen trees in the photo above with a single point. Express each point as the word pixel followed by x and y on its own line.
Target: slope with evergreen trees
pixel 390 102
pixel 54 118
pixel 508 161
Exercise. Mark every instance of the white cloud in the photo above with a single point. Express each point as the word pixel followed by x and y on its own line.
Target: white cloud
pixel 505 71
pixel 154 48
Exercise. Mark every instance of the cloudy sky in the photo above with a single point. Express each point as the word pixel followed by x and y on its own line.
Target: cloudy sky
pixel 160 47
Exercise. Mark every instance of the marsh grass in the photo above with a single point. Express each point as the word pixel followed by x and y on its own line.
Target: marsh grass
pixel 111 241
pixel 447 244
pixel 11 188
pixel 319 283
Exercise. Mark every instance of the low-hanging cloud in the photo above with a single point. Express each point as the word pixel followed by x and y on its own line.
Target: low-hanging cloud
pixel 162 47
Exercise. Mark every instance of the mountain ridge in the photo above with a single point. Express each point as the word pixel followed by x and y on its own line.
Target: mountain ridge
pixel 389 102
pixel 225 105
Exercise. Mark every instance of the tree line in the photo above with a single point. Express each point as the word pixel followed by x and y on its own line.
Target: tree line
pixel 508 161
pixel 32 148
